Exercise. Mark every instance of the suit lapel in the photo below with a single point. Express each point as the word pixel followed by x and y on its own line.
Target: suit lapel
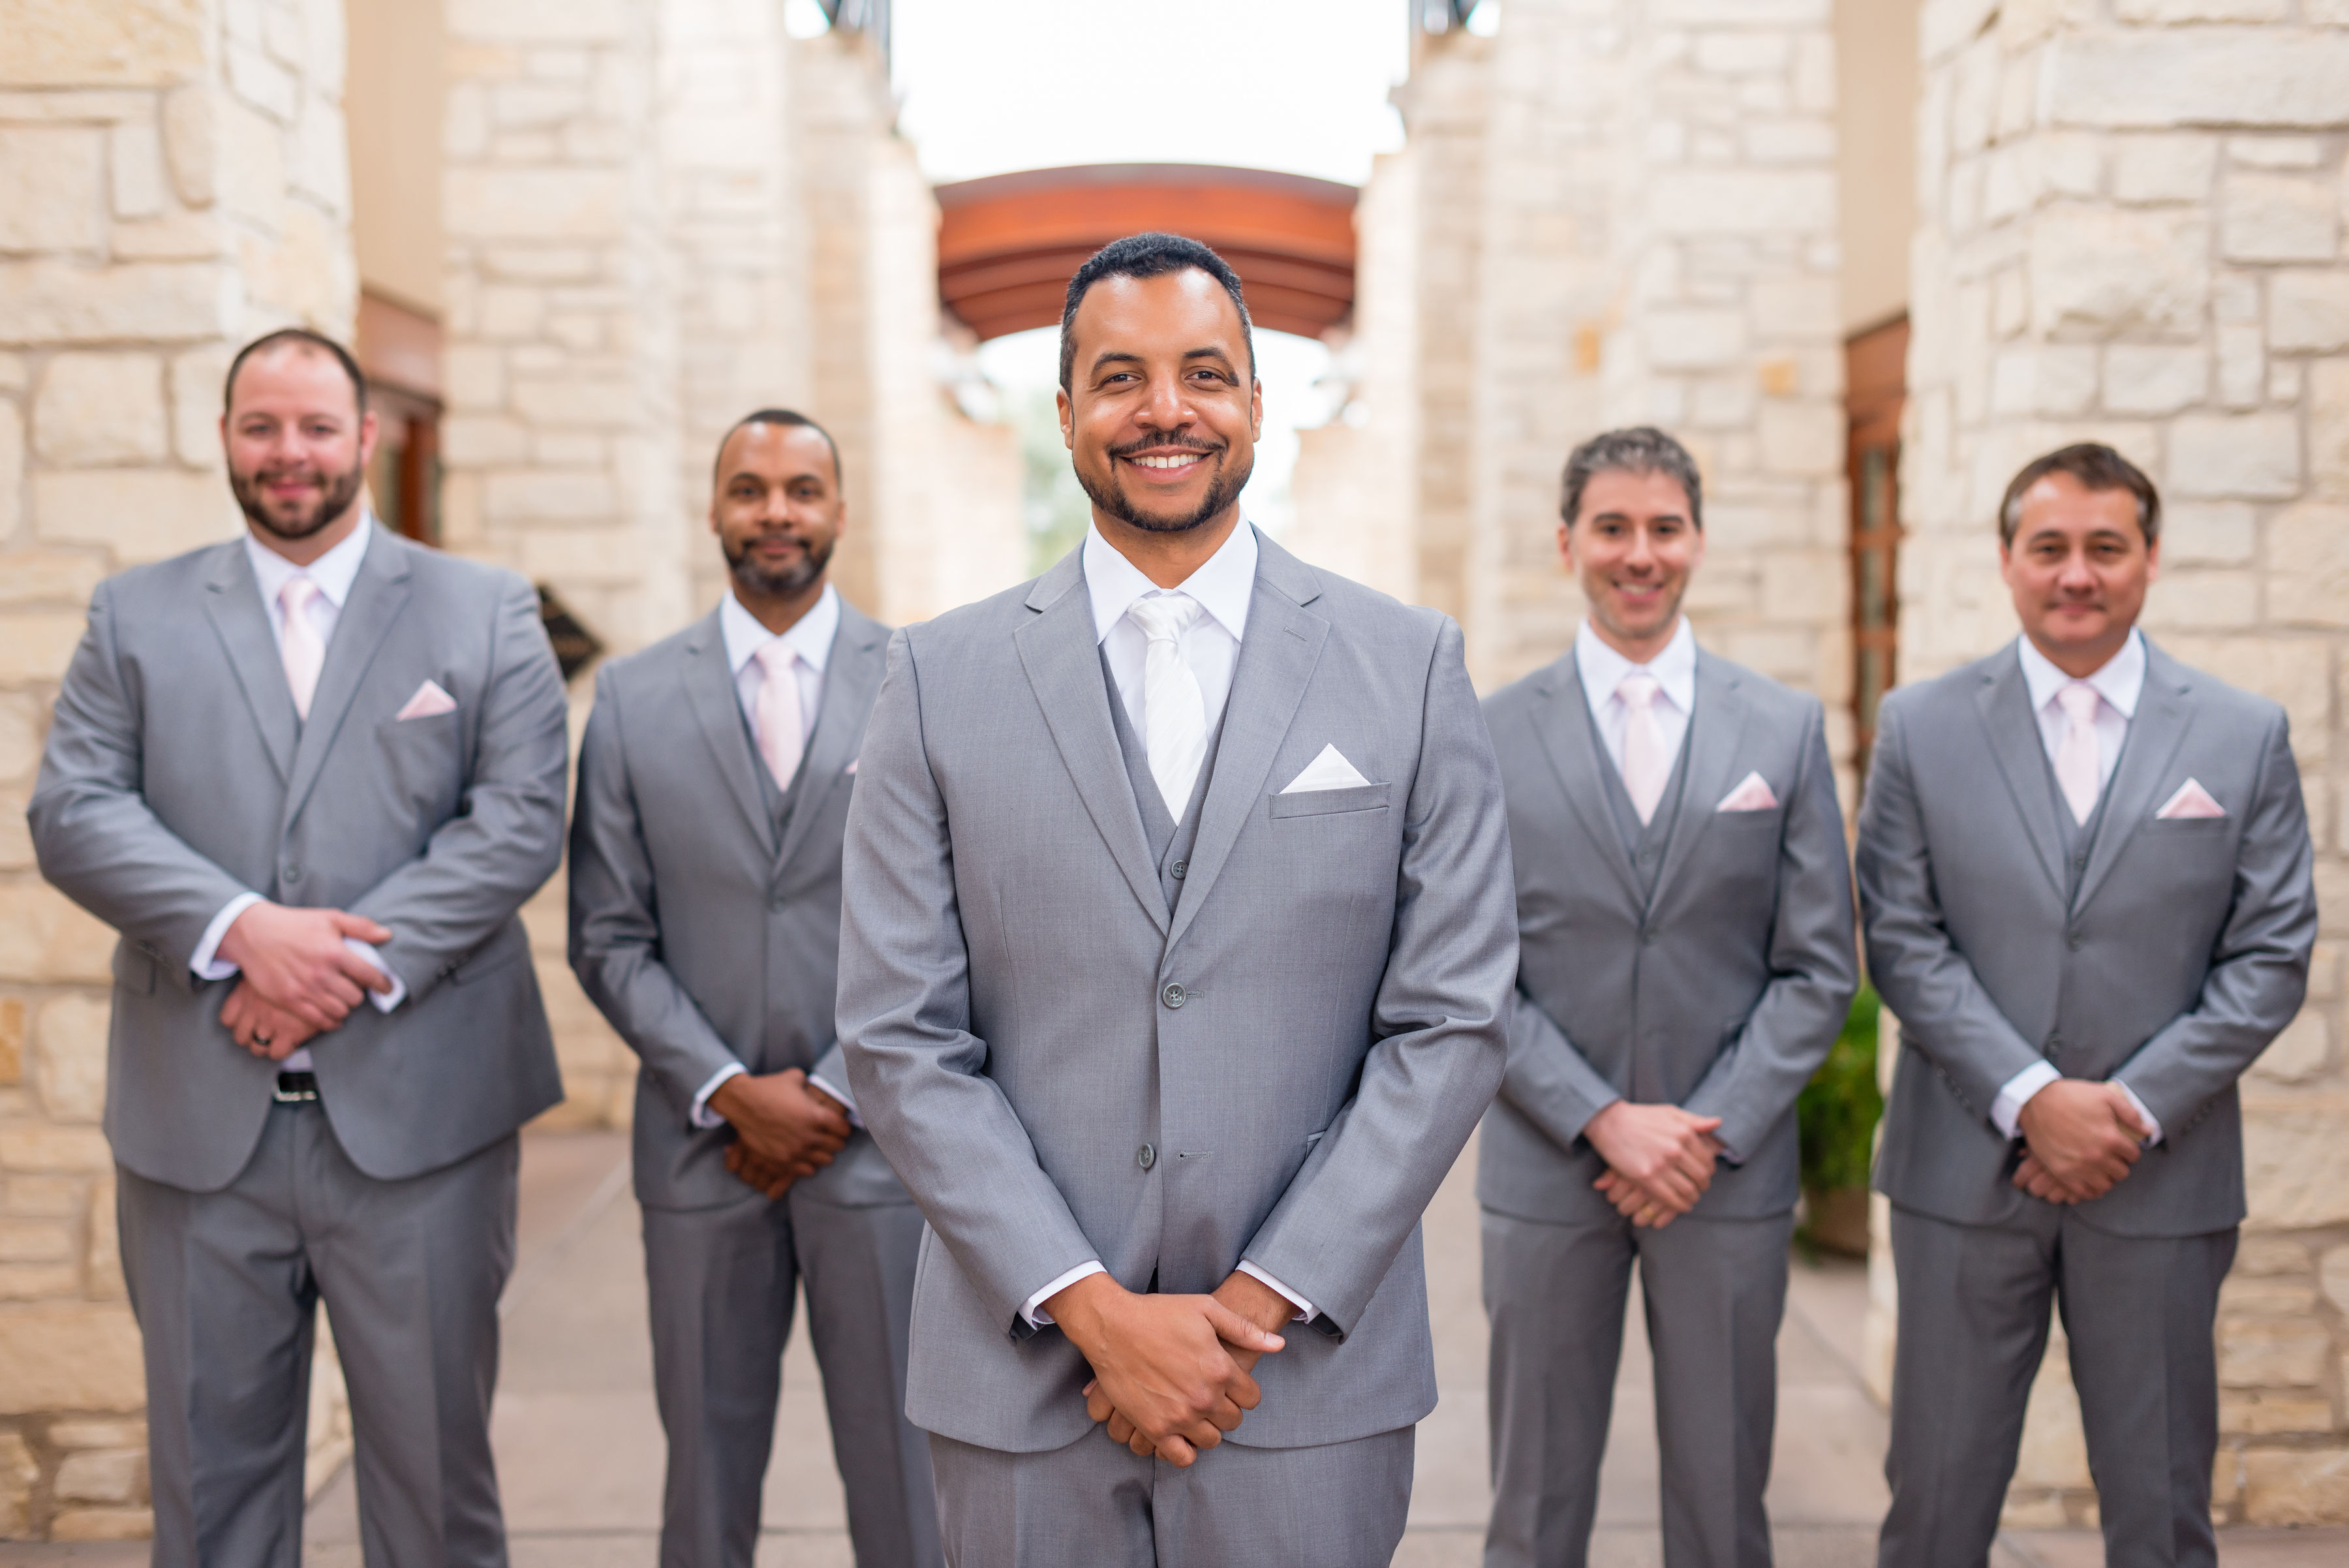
pixel 1277 659
pixel 378 595
pixel 1563 722
pixel 2004 703
pixel 709 682
pixel 232 599
pixel 2154 732
pixel 1063 658
pixel 1716 733
pixel 852 673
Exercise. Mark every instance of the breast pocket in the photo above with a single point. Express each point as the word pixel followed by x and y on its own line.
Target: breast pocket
pixel 1331 802
pixel 423 762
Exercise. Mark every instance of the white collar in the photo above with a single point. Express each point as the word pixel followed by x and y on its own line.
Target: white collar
pixel 1602 669
pixel 809 637
pixel 2120 683
pixel 334 572
pixel 1223 585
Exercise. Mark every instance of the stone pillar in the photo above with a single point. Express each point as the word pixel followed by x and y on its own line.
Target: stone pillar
pixel 2130 230
pixel 172 183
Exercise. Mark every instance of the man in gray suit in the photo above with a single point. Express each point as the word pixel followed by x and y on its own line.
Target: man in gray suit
pixel 311 775
pixel 2085 873
pixel 1174 962
pixel 714 783
pixel 1686 958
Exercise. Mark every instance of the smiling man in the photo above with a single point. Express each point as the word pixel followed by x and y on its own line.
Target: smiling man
pixel 1684 910
pixel 2085 872
pixel 1174 962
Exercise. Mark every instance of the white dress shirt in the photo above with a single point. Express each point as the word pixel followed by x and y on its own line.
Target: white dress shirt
pixel 1603 669
pixel 334 573
pixel 1222 588
pixel 2119 684
pixel 810 639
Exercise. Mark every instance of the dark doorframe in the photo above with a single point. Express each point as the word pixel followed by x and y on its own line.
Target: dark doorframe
pixel 1876 388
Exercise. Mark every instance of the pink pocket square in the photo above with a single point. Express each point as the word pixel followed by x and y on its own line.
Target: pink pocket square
pixel 851 768
pixel 1753 795
pixel 2191 801
pixel 428 700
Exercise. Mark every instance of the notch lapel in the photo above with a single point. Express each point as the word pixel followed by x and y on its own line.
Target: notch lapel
pixel 1063 658
pixel 1563 721
pixel 1715 732
pixel 378 594
pixel 241 621
pixel 852 673
pixel 709 685
pixel 2155 733
pixel 2004 703
pixel 1276 660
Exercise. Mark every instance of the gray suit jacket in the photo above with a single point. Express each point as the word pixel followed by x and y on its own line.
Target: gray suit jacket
pixel 1303 1044
pixel 703 938
pixel 177 777
pixel 2183 953
pixel 1725 989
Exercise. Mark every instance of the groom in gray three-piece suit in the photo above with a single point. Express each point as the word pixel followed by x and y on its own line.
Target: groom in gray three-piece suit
pixel 1684 917
pixel 311 775
pixel 714 783
pixel 1175 951
pixel 2087 876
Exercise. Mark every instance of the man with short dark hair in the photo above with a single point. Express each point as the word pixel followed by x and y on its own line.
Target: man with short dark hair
pixel 714 782
pixel 1684 923
pixel 2085 873
pixel 1175 953
pixel 310 776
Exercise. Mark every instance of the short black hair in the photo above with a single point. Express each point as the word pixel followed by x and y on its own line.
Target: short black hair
pixel 1642 449
pixel 301 335
pixel 1148 256
pixel 2097 467
pixel 787 417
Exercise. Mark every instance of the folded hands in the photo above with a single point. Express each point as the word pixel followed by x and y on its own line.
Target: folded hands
pixel 1172 1373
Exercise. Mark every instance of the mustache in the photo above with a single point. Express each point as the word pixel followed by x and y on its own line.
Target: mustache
pixel 1182 443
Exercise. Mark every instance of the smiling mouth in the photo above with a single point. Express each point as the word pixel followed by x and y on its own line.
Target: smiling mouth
pixel 1169 463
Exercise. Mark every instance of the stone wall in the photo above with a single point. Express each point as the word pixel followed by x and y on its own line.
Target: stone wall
pixel 2130 229
pixel 171 182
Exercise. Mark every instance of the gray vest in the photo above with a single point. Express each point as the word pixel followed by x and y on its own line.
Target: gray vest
pixel 1644 842
pixel 779 800
pixel 2079 838
pixel 1170 841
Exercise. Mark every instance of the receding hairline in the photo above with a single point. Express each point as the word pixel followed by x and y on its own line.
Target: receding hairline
pixel 272 349
pixel 763 419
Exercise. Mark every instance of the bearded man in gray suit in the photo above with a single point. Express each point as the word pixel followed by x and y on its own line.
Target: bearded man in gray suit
pixel 1174 962
pixel 1685 919
pixel 311 775
pixel 714 783
pixel 2087 876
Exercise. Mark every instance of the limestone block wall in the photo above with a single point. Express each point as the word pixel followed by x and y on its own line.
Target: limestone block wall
pixel 2130 229
pixel 171 182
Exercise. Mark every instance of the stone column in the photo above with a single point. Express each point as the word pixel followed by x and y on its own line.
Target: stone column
pixel 2130 230
pixel 172 183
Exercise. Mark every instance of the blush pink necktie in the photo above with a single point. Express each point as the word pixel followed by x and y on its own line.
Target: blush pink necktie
pixel 2077 772
pixel 780 739
pixel 1643 749
pixel 298 643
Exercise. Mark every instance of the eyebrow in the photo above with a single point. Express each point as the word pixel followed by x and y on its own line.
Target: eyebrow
pixel 1127 356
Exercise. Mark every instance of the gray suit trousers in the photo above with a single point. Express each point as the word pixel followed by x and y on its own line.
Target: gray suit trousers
pixel 2139 1311
pixel 721 1282
pixel 1715 1290
pixel 226 1287
pixel 1095 1504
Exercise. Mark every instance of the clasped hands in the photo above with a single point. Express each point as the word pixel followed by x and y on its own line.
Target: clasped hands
pixel 1171 1373
pixel 2081 1139
pixel 784 1128
pixel 299 980
pixel 1659 1159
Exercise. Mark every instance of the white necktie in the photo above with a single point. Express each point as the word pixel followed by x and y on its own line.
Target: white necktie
pixel 298 643
pixel 779 738
pixel 1173 710
pixel 1643 749
pixel 2078 773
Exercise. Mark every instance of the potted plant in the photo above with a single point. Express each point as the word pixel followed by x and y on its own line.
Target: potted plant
pixel 1835 1117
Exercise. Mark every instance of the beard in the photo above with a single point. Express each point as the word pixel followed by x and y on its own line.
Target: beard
pixel 341 490
pixel 758 580
pixel 1110 494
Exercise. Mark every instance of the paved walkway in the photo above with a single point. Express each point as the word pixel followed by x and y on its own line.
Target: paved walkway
pixel 579 1445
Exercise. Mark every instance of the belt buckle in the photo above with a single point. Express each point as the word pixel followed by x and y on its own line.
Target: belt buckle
pixel 295 1088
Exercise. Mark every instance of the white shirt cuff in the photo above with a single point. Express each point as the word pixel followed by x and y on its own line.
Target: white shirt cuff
pixel 384 1001
pixel 701 1115
pixel 1305 1312
pixel 2005 1110
pixel 1034 1311
pixel 847 1100
pixel 205 963
pixel 2146 1116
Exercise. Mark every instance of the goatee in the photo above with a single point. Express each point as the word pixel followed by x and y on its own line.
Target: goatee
pixel 1111 497
pixel 756 579
pixel 341 491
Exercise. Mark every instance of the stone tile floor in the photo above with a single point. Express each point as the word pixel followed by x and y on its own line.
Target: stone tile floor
pixel 579 1445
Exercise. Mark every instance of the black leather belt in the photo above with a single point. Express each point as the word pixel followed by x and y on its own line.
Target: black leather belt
pixel 293 1088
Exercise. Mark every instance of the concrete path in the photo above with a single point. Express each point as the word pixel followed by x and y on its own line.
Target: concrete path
pixel 580 1452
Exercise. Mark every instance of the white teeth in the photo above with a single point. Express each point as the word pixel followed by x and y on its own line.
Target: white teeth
pixel 1181 462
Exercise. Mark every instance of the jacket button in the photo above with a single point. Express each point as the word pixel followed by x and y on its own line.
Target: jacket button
pixel 2055 1046
pixel 1179 867
pixel 293 871
pixel 2072 941
pixel 1174 995
pixel 1145 1157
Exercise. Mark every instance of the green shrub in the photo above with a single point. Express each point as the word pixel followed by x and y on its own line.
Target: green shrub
pixel 1837 1109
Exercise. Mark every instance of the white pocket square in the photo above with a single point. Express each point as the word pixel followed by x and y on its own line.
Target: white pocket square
pixel 428 700
pixel 2191 801
pixel 1330 770
pixel 852 765
pixel 1753 794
